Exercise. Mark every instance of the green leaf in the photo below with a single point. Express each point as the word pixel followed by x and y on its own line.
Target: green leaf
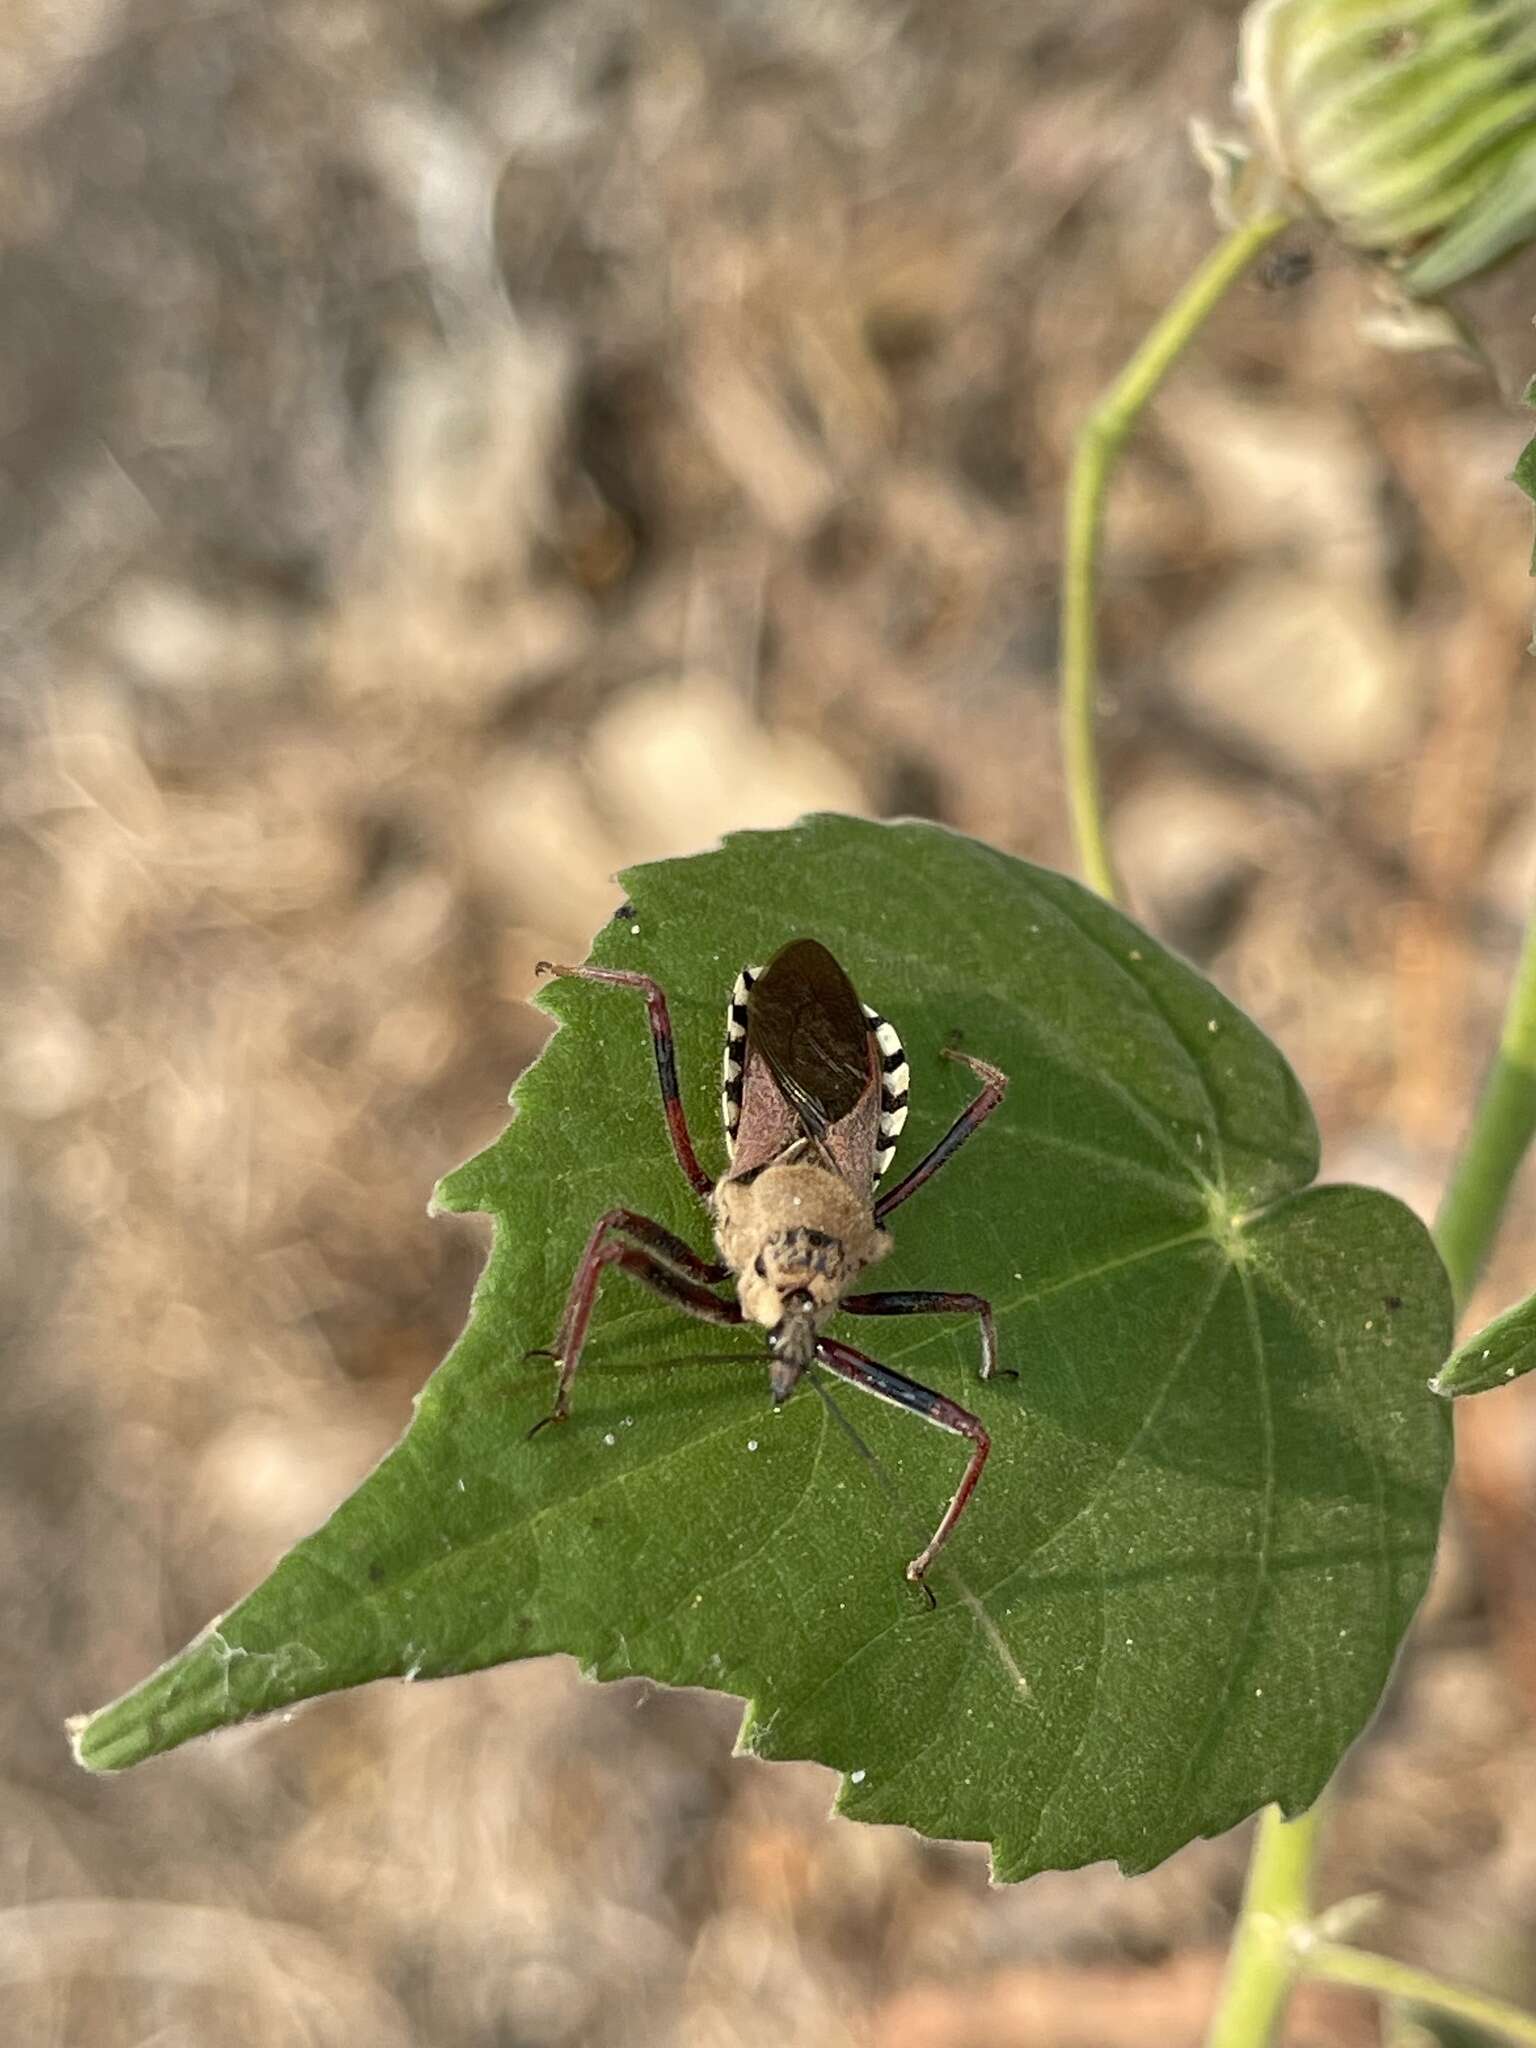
pixel 1524 472
pixel 1501 1352
pixel 1523 475
pixel 1215 1486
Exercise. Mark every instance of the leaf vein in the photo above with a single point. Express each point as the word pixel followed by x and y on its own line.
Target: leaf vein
pixel 1216 1720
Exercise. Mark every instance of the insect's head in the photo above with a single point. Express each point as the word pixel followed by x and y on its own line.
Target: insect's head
pixel 792 1276
pixel 796 1236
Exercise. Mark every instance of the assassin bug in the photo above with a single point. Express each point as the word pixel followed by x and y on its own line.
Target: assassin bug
pixel 814 1098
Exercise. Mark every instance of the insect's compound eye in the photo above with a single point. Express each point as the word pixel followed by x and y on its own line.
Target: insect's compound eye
pixel 801 1302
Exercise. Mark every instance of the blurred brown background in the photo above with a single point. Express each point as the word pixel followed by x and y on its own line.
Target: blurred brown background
pixel 450 450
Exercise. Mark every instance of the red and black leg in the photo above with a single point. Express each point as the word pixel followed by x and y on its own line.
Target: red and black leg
pixel 924 1301
pixel 667 1245
pixel 670 1250
pixel 666 1060
pixel 606 1247
pixel 943 1413
pixel 964 1126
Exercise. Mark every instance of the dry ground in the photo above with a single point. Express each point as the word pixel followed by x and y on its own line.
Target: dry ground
pixel 447 451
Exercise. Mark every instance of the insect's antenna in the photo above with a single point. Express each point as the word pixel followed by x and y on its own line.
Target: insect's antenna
pixel 722 1358
pixel 876 1464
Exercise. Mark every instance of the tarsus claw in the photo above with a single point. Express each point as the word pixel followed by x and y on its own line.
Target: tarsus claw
pixel 923 1587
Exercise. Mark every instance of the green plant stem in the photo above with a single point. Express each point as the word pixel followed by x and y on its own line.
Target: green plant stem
pixel 1275 1941
pixel 1277 1903
pixel 1502 1129
pixel 1272 1945
pixel 1098 445
pixel 1337 1964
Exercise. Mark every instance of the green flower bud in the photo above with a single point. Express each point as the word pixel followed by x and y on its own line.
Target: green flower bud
pixel 1409 124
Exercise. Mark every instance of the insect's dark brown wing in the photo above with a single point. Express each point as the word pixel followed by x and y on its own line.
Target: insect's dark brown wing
pixel 806 1023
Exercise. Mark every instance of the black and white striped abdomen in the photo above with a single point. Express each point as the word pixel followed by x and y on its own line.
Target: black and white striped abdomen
pixel 735 1056
pixel 894 1080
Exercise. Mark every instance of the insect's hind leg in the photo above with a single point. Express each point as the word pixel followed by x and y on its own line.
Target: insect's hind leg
pixel 965 1125
pixel 606 1247
pixel 923 1301
pixel 666 1059
pixel 895 1387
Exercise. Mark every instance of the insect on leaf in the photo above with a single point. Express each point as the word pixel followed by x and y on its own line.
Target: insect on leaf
pixel 1215 1485
pixel 1501 1352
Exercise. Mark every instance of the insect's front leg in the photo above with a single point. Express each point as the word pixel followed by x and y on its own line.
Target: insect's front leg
pixel 606 1247
pixel 923 1301
pixel 666 1060
pixel 618 1223
pixel 895 1387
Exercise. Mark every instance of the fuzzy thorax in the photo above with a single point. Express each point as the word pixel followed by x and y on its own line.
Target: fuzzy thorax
pixel 796 1237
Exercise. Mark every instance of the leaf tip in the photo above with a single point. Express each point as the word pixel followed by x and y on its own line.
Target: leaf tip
pixel 78 1729
pixel 471 1188
pixel 454 1194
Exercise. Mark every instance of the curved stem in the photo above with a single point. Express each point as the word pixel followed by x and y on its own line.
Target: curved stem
pixel 1098 445
pixel 1502 1129
pixel 1389 1979
pixel 1276 1905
